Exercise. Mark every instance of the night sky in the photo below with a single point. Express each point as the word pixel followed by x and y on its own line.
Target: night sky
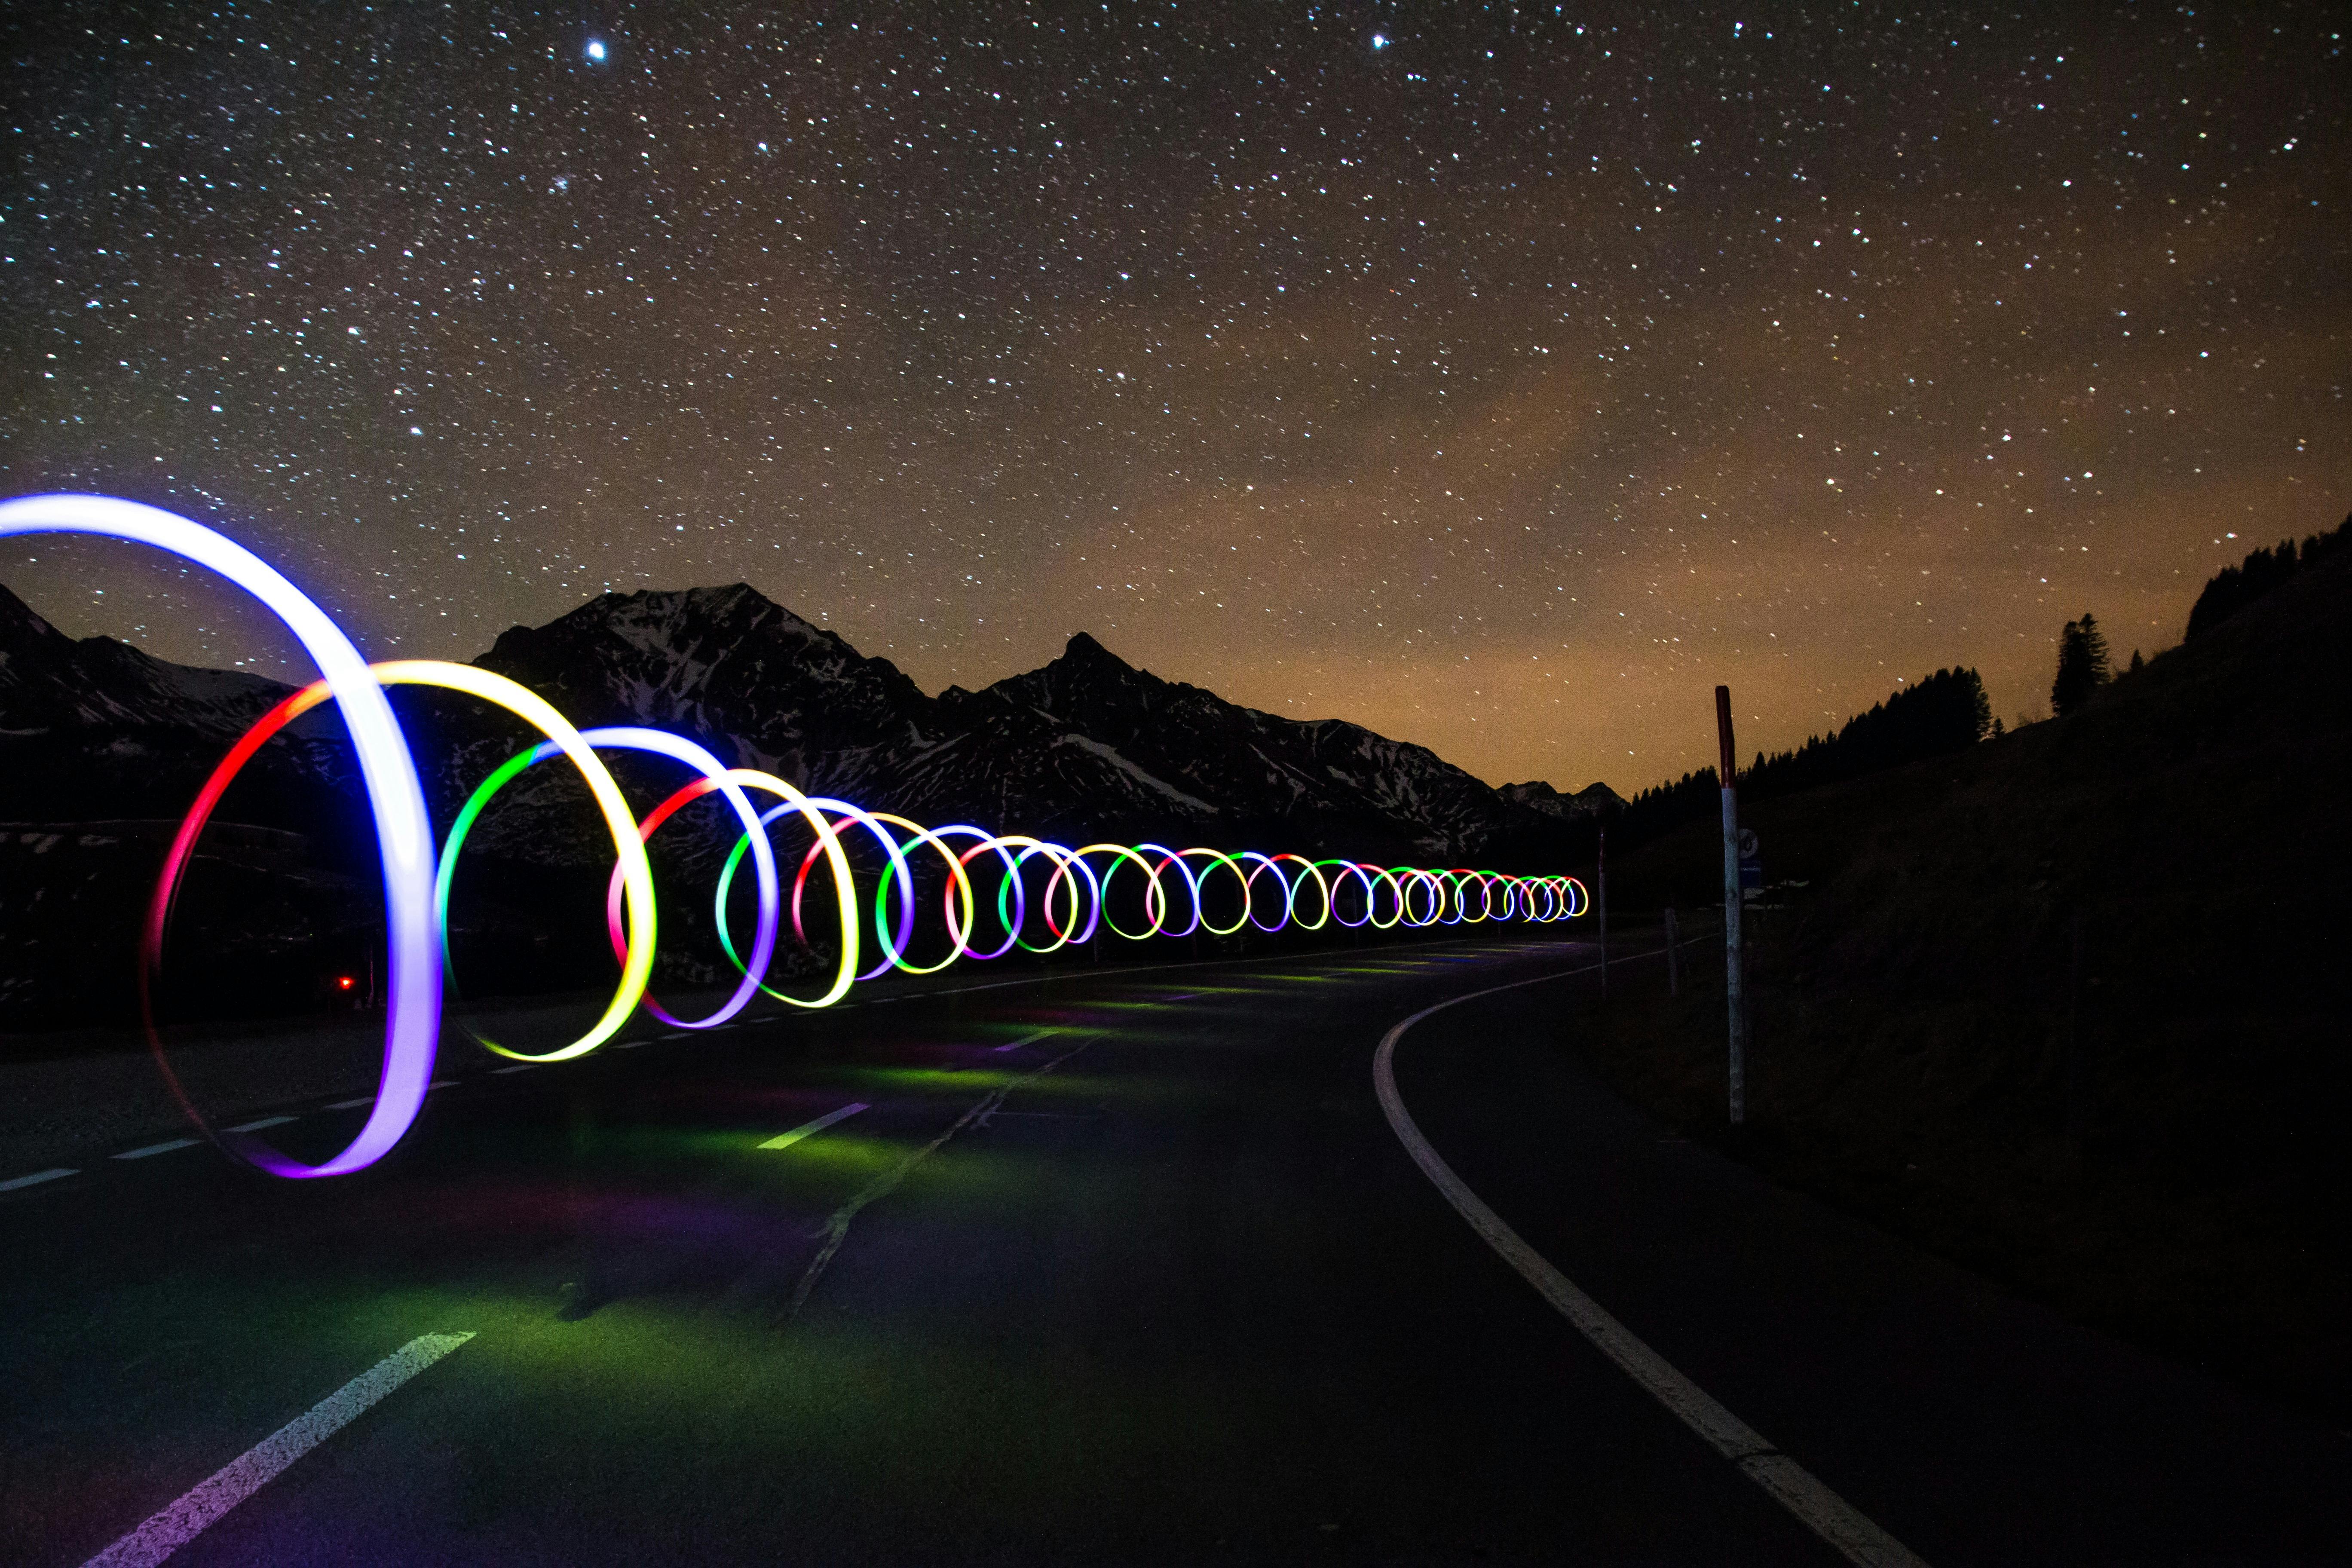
pixel 1501 378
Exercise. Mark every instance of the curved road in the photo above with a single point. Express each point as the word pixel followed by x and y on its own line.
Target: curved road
pixel 1125 1267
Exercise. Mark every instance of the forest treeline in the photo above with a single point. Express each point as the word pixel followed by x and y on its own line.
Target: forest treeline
pixel 1948 712
pixel 1945 712
pixel 2232 588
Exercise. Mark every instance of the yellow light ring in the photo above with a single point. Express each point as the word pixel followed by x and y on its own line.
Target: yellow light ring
pixel 1118 852
pixel 845 890
pixel 1290 902
pixel 636 871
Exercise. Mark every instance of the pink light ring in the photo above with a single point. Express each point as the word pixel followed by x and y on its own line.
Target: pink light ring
pixel 395 800
pixel 1374 876
pixel 1347 868
pixel 1002 847
pixel 897 871
pixel 846 903
pixel 677 748
pixel 1118 852
pixel 1249 891
pixel 961 940
pixel 1404 879
pixel 1159 905
pixel 1059 857
pixel 1065 858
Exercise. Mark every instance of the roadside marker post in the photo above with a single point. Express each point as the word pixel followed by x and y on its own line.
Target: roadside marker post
pixel 1601 906
pixel 1735 992
pixel 1674 958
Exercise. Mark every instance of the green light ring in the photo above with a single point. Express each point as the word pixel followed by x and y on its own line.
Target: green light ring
pixel 895 862
pixel 844 889
pixel 1380 874
pixel 958 881
pixel 636 871
pixel 1118 852
pixel 1218 857
pixel 1055 854
pixel 1307 869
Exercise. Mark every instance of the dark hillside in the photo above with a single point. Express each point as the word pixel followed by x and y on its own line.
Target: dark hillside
pixel 2070 1004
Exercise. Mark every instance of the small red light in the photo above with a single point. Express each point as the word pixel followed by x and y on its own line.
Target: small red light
pixel 344 981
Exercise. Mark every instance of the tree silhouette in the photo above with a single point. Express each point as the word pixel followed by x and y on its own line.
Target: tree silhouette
pixel 2082 666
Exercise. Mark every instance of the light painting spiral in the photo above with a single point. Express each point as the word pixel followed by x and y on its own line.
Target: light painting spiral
pixel 959 892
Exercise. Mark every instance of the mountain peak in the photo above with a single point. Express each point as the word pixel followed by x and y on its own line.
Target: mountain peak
pixel 1083 649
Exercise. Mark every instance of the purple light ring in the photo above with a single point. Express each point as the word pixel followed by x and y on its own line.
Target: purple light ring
pixel 395 800
pixel 677 748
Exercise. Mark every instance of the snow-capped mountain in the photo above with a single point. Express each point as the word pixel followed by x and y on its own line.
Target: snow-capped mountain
pixel 1087 746
pixel 1592 802
pixel 49 681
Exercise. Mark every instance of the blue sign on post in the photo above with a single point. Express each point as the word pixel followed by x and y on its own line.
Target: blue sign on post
pixel 1751 865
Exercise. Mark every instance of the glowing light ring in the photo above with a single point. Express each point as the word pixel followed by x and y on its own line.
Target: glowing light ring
pixel 1073 907
pixel 844 890
pixel 713 780
pixel 1118 852
pixel 396 801
pixel 891 948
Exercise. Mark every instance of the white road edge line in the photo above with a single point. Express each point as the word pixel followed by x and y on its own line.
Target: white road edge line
pixel 163 1148
pixel 35 1179
pixel 1026 1040
pixel 786 1140
pixel 183 1520
pixel 1829 1515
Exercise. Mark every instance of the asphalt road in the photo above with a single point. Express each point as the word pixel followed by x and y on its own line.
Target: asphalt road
pixel 1128 1267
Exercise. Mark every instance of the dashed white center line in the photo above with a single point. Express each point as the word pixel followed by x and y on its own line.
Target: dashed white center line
pixel 35 1179
pixel 163 1148
pixel 257 1126
pixel 349 1104
pixel 188 1518
pixel 1026 1040
pixel 786 1140
pixel 519 1067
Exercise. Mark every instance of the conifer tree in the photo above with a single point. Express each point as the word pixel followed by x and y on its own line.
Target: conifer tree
pixel 2082 666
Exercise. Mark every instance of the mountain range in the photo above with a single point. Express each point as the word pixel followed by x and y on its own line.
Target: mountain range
pixel 1087 746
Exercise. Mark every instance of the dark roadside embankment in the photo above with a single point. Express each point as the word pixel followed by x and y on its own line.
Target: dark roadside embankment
pixel 2069 1007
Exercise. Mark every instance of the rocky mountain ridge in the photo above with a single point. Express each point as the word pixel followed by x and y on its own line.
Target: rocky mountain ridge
pixel 1084 746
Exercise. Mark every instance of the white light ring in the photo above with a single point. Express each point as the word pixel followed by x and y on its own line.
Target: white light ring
pixel 396 798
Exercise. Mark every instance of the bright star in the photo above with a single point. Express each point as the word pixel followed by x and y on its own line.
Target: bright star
pixel 1379 40
pixel 596 49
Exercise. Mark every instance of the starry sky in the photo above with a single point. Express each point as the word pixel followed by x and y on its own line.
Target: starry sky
pixel 1501 377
